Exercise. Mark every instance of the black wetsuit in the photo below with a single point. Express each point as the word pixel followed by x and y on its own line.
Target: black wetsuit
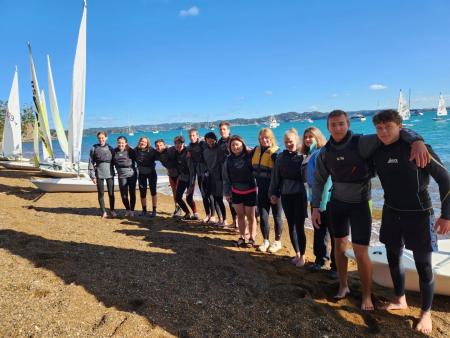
pixel 214 158
pixel 169 161
pixel 287 182
pixel 101 168
pixel 145 161
pixel 408 218
pixel 223 143
pixel 124 161
pixel 186 178
pixel 196 154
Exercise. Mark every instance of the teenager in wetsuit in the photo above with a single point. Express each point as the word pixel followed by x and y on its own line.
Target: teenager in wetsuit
pixel 101 170
pixel 287 182
pixel 145 160
pixel 263 159
pixel 124 161
pixel 313 140
pixel 344 158
pixel 214 158
pixel 408 217
pixel 167 156
pixel 224 144
pixel 186 179
pixel 195 149
pixel 239 188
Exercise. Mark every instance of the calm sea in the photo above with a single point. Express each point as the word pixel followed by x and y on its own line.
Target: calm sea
pixel 437 134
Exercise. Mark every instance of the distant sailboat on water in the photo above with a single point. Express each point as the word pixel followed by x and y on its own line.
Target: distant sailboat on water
pixel 441 110
pixel 403 108
pixel 272 122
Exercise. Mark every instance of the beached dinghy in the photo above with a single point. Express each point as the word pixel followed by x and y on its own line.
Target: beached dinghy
pixel 440 260
pixel 62 172
pixel 78 184
pixel 19 165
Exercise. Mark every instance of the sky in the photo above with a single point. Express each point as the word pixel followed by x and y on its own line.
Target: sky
pixel 156 61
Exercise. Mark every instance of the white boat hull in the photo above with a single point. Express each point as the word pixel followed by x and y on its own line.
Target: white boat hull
pixel 440 261
pixel 61 173
pixel 81 184
pixel 19 165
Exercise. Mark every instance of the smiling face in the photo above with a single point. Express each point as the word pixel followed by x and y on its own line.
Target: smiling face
pixel 290 141
pixel 121 144
pixel 210 142
pixel 309 139
pixel 179 146
pixel 143 143
pixel 236 147
pixel 193 136
pixel 101 139
pixel 264 140
pixel 388 132
pixel 338 127
pixel 160 147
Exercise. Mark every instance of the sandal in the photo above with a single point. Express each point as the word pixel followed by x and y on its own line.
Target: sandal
pixel 240 242
pixel 250 243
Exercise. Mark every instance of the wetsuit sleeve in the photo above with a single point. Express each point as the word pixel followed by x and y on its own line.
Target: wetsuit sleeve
pixel 226 179
pixel 91 165
pixel 442 177
pixel 191 167
pixel 410 136
pixel 275 179
pixel 321 174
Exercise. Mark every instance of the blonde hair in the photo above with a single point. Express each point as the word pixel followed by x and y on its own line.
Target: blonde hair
pixel 267 132
pixel 147 148
pixel 294 132
pixel 318 136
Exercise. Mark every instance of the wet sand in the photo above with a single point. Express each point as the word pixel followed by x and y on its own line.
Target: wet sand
pixel 67 272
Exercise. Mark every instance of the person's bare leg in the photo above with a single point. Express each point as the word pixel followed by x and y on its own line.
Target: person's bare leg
pixel 340 245
pixel 425 325
pixel 365 275
pixel 250 213
pixel 240 219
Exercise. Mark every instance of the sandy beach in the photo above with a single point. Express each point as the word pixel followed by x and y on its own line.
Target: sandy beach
pixel 67 272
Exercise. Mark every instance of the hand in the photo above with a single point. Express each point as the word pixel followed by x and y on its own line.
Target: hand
pixel 94 180
pixel 228 198
pixel 315 217
pixel 419 152
pixel 442 226
pixel 274 199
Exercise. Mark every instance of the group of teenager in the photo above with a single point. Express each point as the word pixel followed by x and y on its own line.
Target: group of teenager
pixel 333 176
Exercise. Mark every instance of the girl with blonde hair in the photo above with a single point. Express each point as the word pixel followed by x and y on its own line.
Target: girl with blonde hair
pixel 263 159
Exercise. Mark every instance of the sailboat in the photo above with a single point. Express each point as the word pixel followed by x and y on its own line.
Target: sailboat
pixel 403 107
pixel 359 117
pixel 80 182
pixel 272 122
pixel 12 132
pixel 441 110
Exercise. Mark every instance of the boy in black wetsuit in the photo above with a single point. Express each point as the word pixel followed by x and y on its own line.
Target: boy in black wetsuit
pixel 408 218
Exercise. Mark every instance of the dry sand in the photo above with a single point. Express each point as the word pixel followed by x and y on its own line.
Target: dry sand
pixel 66 272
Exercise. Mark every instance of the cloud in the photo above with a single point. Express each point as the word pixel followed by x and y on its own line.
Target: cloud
pixel 268 92
pixel 314 107
pixel 193 11
pixel 377 86
pixel 334 95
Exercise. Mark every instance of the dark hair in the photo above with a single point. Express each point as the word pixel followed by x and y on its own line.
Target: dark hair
pixel 211 135
pixel 101 132
pixel 178 139
pixel 337 113
pixel 193 130
pixel 387 115
pixel 237 138
pixel 224 123
pixel 158 141
pixel 121 137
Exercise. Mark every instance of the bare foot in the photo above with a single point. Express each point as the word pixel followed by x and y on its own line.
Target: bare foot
pixel 294 260
pixel 342 293
pixel 104 215
pixel 366 304
pixel 300 262
pixel 206 219
pixel 399 303
pixel 127 213
pixel 113 213
pixel 131 213
pixel 425 324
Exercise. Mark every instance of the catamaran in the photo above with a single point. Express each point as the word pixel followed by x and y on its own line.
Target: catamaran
pixel 441 110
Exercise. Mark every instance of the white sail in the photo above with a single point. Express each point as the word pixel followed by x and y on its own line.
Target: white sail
pixel 78 93
pixel 442 110
pixel 60 133
pixel 403 107
pixel 41 113
pixel 12 129
pixel 45 153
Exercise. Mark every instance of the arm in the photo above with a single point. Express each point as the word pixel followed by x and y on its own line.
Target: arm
pixel 91 165
pixel 226 180
pixel 442 177
pixel 275 180
pixel 321 174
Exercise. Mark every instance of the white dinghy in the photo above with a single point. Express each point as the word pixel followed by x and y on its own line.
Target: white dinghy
pixel 440 261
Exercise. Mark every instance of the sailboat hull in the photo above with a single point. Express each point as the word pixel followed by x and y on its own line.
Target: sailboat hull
pixel 19 165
